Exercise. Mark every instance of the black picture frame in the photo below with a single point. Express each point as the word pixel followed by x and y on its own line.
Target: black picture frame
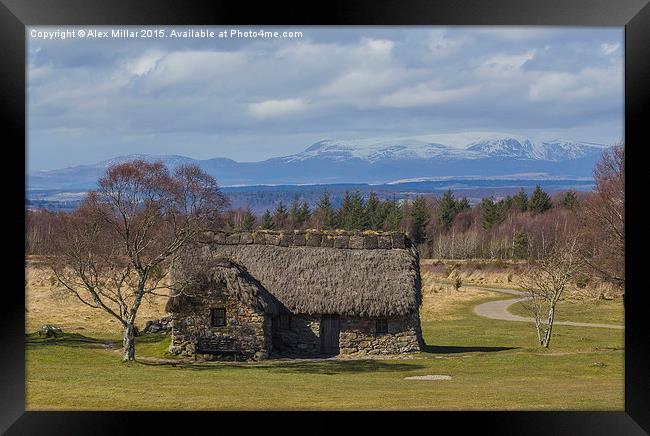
pixel 633 14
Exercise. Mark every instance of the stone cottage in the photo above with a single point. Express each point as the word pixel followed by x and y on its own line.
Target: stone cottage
pixel 302 293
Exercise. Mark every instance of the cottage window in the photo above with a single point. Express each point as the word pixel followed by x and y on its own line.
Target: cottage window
pixel 381 326
pixel 285 319
pixel 218 317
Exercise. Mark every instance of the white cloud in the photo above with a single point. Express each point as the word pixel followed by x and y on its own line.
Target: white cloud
pixel 276 108
pixel 608 49
pixel 590 83
pixel 144 64
pixel 503 65
pixel 516 34
pixel 426 94
pixel 184 67
pixel 442 45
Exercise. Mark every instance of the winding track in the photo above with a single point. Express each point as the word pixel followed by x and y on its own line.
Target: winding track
pixel 499 310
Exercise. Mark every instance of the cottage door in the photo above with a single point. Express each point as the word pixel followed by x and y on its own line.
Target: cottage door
pixel 330 327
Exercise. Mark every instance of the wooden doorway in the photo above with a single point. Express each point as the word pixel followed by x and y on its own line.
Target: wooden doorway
pixel 330 328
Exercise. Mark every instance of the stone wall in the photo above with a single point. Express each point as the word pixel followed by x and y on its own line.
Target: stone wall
pixel 353 240
pixel 358 336
pixel 302 339
pixel 251 329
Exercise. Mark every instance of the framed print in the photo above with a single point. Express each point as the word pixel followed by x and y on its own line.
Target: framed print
pixel 361 207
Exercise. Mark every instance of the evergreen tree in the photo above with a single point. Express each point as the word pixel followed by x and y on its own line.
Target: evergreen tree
pixel 521 201
pixel 488 213
pixel 304 213
pixel 325 212
pixel 351 214
pixel 374 212
pixel 419 219
pixel 446 209
pixel 570 200
pixel 267 220
pixel 493 213
pixel 520 245
pixel 540 201
pixel 462 204
pixel 249 220
pixel 280 216
pixel 345 211
pixel 392 215
pixel 294 214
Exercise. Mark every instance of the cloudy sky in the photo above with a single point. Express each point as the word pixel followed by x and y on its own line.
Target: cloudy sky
pixel 250 99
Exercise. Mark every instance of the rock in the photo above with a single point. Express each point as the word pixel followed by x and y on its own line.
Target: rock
pixel 399 240
pixel 286 239
pixel 49 330
pixel 312 240
pixel 384 242
pixel 219 238
pixel 272 239
pixel 246 238
pixel 356 242
pixel 233 239
pixel 429 377
pixel 259 238
pixel 370 242
pixel 341 241
pixel 327 241
pixel 299 239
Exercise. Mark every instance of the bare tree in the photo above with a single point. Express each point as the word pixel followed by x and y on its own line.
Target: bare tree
pixel 545 280
pixel 117 247
pixel 603 217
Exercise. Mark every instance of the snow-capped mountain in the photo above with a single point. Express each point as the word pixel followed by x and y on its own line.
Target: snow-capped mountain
pixel 377 160
pixel 465 146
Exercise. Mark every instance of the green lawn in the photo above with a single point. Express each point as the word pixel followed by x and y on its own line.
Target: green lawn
pixel 494 365
pixel 593 311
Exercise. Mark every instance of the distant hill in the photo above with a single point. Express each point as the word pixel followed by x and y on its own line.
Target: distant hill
pixel 474 154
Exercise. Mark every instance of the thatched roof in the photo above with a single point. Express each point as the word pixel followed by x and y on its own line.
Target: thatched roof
pixel 232 280
pixel 318 280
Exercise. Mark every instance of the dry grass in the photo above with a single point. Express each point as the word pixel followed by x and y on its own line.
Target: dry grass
pixel 441 302
pixel 47 303
pixel 476 272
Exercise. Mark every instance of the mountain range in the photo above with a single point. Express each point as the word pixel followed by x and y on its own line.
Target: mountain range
pixel 375 161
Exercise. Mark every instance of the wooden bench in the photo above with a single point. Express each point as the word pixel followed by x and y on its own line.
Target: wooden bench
pixel 221 346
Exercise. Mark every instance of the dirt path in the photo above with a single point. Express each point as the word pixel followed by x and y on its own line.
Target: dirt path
pixel 499 310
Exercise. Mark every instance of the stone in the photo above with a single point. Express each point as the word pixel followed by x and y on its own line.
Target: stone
pixel 384 242
pixel 286 239
pixel 312 240
pixel 49 331
pixel 429 377
pixel 259 238
pixel 341 241
pixel 370 242
pixel 246 238
pixel 399 240
pixel 219 238
pixel 299 239
pixel 356 242
pixel 272 239
pixel 327 241
pixel 232 239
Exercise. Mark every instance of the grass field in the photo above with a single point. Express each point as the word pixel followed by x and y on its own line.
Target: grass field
pixel 494 365
pixel 593 311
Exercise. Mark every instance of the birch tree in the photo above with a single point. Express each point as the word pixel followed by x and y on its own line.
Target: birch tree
pixel 116 248
pixel 545 281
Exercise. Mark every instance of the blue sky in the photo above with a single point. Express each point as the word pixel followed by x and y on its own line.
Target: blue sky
pixel 251 99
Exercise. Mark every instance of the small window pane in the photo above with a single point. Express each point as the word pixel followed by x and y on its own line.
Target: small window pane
pixel 382 326
pixel 218 317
